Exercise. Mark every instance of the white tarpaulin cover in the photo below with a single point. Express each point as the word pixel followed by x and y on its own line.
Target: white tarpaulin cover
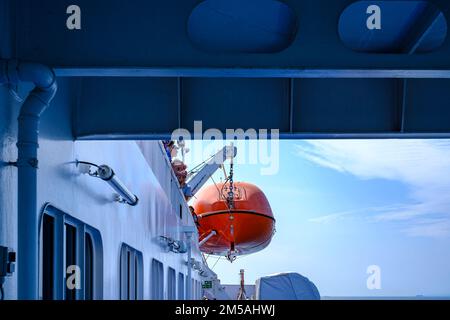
pixel 286 286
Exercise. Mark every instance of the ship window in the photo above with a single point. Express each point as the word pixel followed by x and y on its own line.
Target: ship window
pixel 180 286
pixel 48 257
pixel 392 27
pixel 181 212
pixel 171 284
pixel 199 288
pixel 194 289
pixel 157 280
pixel 131 273
pixel 89 266
pixel 72 258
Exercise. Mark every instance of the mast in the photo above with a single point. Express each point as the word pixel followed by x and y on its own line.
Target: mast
pixel 242 295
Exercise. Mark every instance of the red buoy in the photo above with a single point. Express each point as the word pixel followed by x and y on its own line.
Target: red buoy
pixel 241 226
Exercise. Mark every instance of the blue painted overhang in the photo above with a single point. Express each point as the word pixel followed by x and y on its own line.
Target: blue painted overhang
pixel 151 108
pixel 142 77
pixel 153 34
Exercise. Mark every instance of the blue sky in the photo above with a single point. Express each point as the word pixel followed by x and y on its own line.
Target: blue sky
pixel 343 205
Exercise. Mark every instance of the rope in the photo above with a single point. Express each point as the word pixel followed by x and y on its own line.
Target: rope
pixel 229 200
pixel 196 168
pixel 215 263
pixel 221 196
pixel 215 184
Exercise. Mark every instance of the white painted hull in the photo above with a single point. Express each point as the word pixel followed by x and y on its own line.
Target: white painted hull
pixel 142 167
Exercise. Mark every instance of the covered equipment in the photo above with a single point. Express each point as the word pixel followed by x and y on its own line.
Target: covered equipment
pixel 285 286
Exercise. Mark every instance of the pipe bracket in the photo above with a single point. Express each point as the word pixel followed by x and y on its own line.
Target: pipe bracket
pixel 31 162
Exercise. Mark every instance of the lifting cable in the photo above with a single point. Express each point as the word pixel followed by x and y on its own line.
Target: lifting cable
pixel 199 166
pixel 216 262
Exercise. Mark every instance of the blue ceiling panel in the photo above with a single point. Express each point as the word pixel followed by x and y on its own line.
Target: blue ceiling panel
pixel 345 105
pixel 236 103
pixel 428 105
pixel 126 106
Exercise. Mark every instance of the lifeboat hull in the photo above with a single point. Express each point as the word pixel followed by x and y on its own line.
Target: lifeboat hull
pixel 246 227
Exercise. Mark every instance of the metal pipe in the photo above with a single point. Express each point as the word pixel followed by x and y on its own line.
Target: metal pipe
pixel 12 72
pixel 240 72
pixel 211 234
pixel 107 174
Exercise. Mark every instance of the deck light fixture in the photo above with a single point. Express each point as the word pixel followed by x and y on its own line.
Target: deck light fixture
pixel 107 174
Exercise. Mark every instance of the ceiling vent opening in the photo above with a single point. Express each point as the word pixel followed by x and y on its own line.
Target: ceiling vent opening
pixel 242 26
pixel 402 27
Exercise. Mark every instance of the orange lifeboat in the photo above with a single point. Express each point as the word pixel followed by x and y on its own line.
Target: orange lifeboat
pixel 244 225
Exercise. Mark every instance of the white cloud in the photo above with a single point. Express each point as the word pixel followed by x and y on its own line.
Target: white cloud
pixel 376 213
pixel 422 165
pixel 430 228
